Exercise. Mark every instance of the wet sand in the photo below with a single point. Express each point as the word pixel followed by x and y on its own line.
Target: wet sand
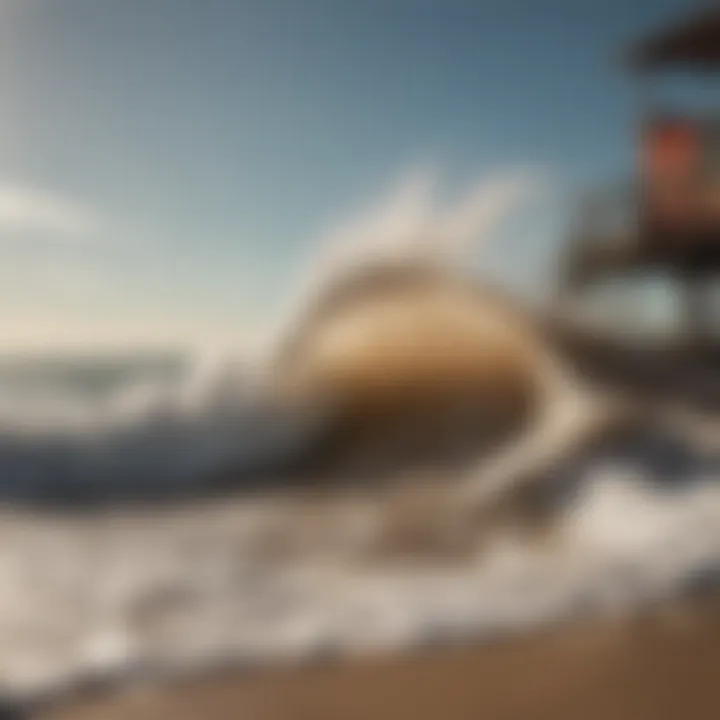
pixel 664 664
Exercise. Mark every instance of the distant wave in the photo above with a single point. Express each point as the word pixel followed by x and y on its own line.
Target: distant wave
pixel 144 435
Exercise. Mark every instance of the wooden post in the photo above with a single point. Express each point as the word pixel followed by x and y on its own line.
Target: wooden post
pixel 697 319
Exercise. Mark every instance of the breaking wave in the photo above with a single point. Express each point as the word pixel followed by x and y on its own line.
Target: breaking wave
pixel 259 578
pixel 74 428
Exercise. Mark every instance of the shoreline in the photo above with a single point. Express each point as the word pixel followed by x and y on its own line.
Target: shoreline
pixel 660 663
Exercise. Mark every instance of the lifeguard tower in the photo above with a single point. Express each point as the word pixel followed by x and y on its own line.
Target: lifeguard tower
pixel 671 217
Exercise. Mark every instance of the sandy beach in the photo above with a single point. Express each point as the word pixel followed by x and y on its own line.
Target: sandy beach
pixel 660 664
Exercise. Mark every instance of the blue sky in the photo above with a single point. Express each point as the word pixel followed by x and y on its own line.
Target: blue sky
pixel 167 165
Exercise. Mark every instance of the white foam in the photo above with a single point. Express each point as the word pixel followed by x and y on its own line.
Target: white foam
pixel 185 588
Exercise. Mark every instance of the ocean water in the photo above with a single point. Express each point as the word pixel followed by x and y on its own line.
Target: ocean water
pixel 83 430
pixel 106 592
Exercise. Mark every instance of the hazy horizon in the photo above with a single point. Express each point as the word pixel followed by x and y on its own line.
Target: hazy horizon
pixel 169 168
